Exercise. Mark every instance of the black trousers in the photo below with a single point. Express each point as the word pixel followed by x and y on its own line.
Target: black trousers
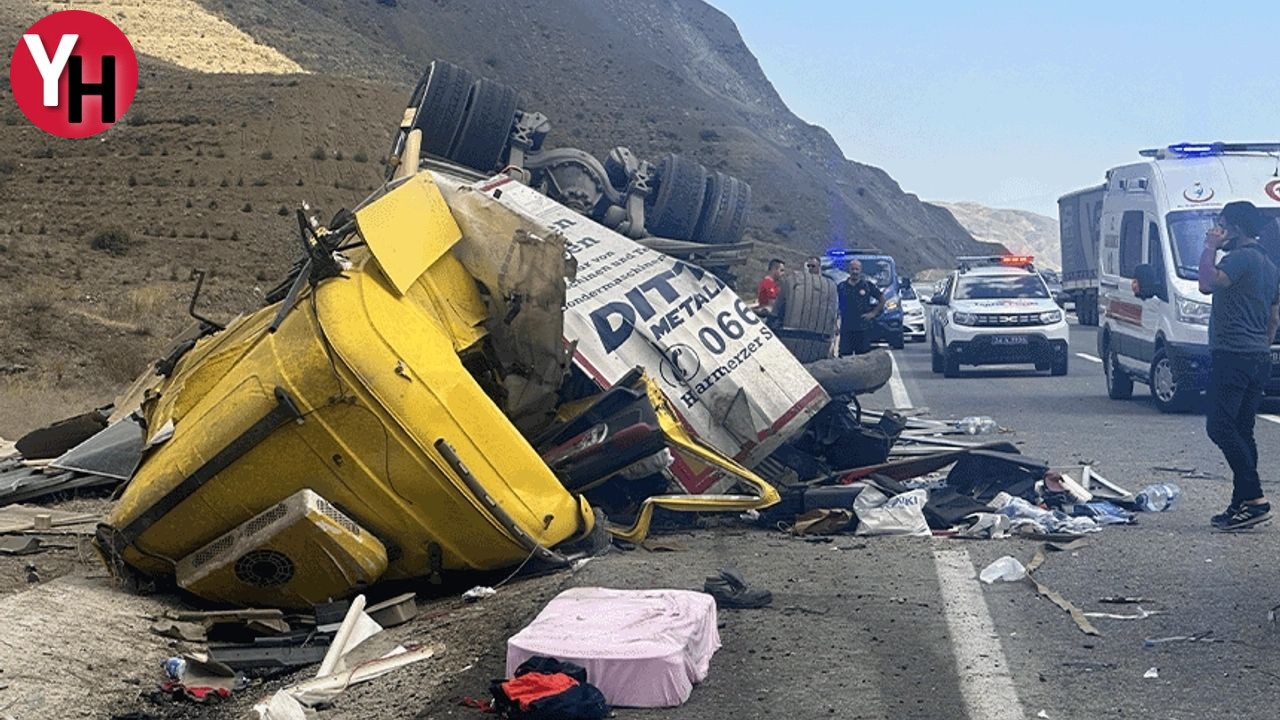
pixel 855 342
pixel 1236 384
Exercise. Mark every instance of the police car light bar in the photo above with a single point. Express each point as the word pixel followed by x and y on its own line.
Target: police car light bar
pixel 991 260
pixel 1187 150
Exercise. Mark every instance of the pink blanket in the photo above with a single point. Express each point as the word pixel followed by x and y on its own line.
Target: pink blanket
pixel 642 648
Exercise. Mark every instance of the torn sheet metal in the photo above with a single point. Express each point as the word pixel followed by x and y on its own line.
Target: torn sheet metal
pixel 114 453
pixel 522 267
pixel 731 381
pixel 19 483
pixel 681 442
pixel 408 230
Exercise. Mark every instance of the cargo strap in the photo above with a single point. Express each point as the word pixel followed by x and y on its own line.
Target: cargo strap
pixel 286 410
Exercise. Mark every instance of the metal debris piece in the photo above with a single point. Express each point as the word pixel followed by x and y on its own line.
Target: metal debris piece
pixel 1206 636
pixel 1140 615
pixel 20 546
pixel 114 453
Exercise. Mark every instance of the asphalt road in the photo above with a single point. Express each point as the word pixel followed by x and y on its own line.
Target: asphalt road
pixel 901 627
pixel 1202 582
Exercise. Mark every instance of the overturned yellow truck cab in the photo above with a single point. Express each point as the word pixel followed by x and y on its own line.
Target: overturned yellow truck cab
pixel 348 434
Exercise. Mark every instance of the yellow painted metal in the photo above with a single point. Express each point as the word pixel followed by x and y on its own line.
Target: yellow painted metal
pixel 678 439
pixel 296 554
pixel 408 229
pixel 379 378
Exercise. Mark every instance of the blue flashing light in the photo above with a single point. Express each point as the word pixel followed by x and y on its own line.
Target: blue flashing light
pixel 1196 149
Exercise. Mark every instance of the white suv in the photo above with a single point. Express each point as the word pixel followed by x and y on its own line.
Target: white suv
pixel 997 310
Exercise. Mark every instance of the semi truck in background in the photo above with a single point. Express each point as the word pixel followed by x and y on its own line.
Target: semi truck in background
pixel 1079 225
pixel 1130 255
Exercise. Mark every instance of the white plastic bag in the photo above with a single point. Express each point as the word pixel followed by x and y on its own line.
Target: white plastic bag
pixel 1006 568
pixel 902 514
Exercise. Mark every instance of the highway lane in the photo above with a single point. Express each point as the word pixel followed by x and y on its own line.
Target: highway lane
pixel 1201 581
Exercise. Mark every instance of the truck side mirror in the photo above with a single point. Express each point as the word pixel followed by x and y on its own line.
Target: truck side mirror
pixel 1146 283
pixel 938 299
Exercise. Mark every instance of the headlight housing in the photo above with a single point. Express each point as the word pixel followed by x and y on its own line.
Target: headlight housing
pixel 892 304
pixel 1050 317
pixel 1192 312
pixel 964 318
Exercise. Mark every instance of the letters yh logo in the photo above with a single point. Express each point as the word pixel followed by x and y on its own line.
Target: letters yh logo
pixel 73 73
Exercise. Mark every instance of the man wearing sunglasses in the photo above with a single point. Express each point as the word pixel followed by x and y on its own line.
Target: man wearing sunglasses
pixel 1246 312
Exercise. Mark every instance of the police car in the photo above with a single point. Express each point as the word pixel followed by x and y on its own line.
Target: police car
pixel 995 310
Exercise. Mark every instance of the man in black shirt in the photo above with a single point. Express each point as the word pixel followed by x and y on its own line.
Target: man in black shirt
pixel 1246 311
pixel 860 303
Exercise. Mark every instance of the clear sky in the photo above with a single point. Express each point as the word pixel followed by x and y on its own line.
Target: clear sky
pixel 1012 104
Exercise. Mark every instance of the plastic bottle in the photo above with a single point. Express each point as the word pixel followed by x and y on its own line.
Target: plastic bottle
pixel 1158 497
pixel 977 425
pixel 1006 568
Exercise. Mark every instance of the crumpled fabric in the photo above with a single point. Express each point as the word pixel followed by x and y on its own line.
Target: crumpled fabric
pixel 1026 516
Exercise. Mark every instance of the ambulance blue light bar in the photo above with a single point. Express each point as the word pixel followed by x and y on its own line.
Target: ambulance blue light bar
pixel 1190 150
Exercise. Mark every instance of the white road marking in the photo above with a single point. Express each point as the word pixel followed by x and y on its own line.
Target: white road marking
pixel 985 682
pixel 1089 357
pixel 898 389
pixel 981 665
pixel 1271 418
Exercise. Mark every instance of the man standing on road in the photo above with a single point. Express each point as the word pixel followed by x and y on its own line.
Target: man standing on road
pixel 1246 312
pixel 860 303
pixel 767 290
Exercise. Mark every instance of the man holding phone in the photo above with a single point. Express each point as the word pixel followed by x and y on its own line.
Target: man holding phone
pixel 1246 312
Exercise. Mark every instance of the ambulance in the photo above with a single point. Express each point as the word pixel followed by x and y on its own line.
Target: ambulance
pixel 1154 321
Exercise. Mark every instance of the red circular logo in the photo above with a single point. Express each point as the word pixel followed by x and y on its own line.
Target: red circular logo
pixel 1273 190
pixel 73 74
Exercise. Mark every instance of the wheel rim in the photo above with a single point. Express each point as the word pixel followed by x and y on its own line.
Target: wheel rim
pixel 1109 371
pixel 1162 381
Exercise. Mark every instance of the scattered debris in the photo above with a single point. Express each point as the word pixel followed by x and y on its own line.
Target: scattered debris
pixel 1121 600
pixel 1006 569
pixel 1206 636
pixel 544 687
pixel 1151 674
pixel 21 546
pixel 1140 615
pixel 478 592
pixel 394 611
pixel 731 590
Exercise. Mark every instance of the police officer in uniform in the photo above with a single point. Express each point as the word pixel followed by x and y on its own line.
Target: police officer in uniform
pixel 860 303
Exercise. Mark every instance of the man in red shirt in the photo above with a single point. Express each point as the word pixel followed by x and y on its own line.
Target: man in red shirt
pixel 767 290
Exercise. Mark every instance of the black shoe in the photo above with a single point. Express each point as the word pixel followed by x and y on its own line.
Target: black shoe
pixel 731 591
pixel 1242 516
pixel 1224 517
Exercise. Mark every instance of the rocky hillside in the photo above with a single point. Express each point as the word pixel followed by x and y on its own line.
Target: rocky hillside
pixel 248 108
pixel 656 75
pixel 1021 231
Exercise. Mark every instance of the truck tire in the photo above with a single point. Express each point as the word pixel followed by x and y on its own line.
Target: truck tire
pixel 935 358
pixel 491 111
pixel 1169 394
pixel 809 313
pixel 441 106
pixel 724 210
pixel 896 341
pixel 677 204
pixel 1119 384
